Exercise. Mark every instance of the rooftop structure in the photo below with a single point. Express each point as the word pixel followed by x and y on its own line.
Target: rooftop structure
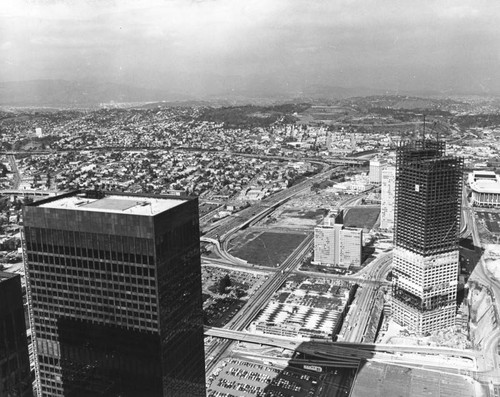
pixel 478 175
pixel 114 286
pixel 485 186
pixel 313 309
pixel 119 204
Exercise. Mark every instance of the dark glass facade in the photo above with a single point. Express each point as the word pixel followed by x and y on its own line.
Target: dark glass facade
pixel 427 199
pixel 15 377
pixel 116 299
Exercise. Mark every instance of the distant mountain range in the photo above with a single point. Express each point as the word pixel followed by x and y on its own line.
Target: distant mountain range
pixel 63 93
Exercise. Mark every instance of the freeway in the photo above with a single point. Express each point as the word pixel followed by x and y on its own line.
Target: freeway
pixel 339 362
pixel 29 192
pixel 223 232
pixel 372 276
pixel 256 302
pixel 219 237
pixel 15 170
pixel 350 353
pixel 223 254
pixel 222 263
pixel 207 217
pixel 465 219
pixel 315 160
pixel 353 278
pixel 378 269
pixel 361 311
pixel 235 222
pixel 491 370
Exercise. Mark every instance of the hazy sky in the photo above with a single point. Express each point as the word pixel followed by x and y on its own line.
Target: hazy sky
pixel 204 46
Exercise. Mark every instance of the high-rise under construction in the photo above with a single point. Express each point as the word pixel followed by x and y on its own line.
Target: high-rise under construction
pixel 427 219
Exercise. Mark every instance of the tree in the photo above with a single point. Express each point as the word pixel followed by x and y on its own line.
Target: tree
pixel 3 170
pixel 239 293
pixel 224 284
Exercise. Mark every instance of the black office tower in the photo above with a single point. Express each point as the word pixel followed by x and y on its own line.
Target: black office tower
pixel 427 219
pixel 15 377
pixel 115 295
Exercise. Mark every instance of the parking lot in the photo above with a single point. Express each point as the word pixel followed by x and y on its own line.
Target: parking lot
pixel 236 377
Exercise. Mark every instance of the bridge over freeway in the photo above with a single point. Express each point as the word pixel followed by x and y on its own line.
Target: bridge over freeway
pixel 346 161
pixel 350 354
pixel 310 361
pixel 28 192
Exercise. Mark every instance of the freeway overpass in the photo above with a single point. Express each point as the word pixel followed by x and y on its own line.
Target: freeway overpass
pixel 28 192
pixel 346 161
pixel 339 362
pixel 351 353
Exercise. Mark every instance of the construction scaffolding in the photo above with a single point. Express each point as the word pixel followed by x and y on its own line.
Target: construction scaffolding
pixel 427 197
pixel 416 302
pixel 427 221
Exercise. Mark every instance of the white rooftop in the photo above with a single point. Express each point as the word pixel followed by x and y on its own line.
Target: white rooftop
pixel 484 173
pixel 486 186
pixel 134 205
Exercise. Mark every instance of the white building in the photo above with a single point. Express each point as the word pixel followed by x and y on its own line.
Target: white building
pixel 326 239
pixel 336 246
pixel 350 247
pixel 485 187
pixel 387 198
pixel 425 279
pixel 376 167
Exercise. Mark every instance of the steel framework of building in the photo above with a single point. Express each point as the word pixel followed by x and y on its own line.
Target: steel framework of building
pixel 428 187
pixel 427 219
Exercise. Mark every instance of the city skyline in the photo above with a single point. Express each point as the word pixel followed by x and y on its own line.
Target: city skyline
pixel 99 277
pixel 217 198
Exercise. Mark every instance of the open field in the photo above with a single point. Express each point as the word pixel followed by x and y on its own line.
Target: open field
pixel 306 214
pixel 265 248
pixel 300 215
pixel 362 217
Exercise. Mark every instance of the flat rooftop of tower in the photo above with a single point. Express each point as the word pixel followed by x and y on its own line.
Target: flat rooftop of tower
pixel 112 203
